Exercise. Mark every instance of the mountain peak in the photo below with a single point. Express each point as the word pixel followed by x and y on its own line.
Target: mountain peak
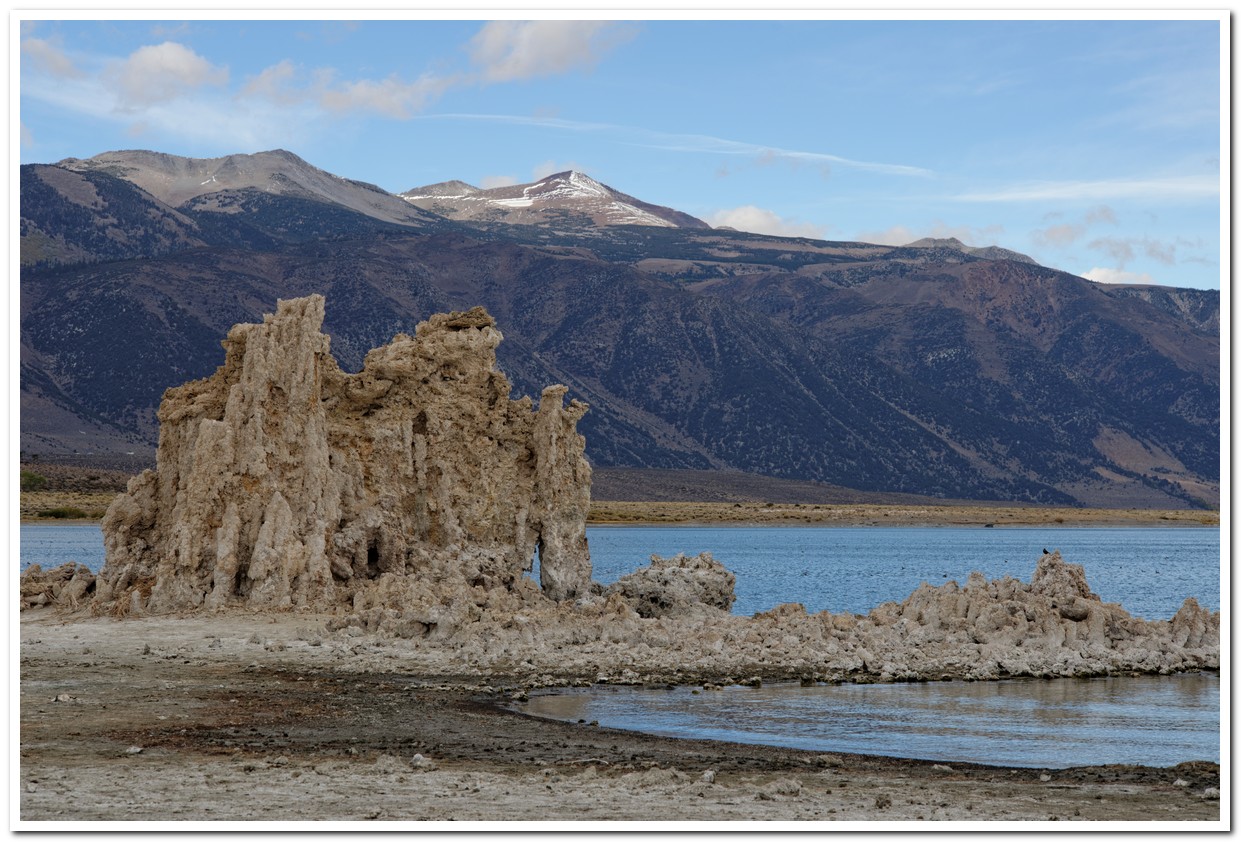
pixel 557 198
pixel 177 181
pixel 984 252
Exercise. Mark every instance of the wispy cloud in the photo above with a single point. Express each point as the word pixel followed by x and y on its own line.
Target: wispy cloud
pixel 1124 249
pixel 1064 234
pixel 693 144
pixel 49 58
pixel 391 97
pixel 512 50
pixel 1057 236
pixel 707 144
pixel 1175 188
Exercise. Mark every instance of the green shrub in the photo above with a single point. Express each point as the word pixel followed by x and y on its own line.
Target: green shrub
pixel 64 512
pixel 32 481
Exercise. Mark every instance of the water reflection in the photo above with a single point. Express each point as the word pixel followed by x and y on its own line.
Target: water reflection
pixel 1149 720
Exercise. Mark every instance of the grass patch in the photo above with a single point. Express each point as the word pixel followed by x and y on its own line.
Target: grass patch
pixel 66 513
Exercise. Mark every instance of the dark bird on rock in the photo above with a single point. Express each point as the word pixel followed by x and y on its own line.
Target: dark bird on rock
pixel 1045 551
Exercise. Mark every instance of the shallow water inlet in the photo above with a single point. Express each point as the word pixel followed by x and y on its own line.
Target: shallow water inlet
pixel 1147 720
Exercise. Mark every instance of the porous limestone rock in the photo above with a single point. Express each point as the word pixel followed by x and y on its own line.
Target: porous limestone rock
pixel 284 482
pixel 66 586
pixel 986 629
pixel 672 586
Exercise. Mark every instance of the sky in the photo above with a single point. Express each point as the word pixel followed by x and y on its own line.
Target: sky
pixel 1094 146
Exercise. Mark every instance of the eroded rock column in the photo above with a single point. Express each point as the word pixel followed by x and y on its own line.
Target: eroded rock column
pixel 283 482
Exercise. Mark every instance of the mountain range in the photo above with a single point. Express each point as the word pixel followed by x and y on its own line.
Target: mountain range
pixel 935 368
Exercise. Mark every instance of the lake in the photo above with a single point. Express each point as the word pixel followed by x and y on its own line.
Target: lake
pixel 1147 720
pixel 1153 720
pixel 1149 571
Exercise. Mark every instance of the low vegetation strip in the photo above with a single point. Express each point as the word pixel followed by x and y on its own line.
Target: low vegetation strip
pixel 38 506
pixel 885 515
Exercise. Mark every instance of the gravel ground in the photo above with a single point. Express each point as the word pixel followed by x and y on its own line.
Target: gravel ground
pixel 254 718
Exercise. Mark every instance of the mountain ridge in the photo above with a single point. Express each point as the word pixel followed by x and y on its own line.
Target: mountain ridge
pixel 928 370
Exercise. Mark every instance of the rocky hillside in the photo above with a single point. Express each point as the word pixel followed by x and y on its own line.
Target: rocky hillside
pixel 926 369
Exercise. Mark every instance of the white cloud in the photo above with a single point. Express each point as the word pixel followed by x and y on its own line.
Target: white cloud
pixel 1119 249
pixel 286 84
pixel 762 221
pixel 1057 236
pixel 1123 249
pixel 1101 214
pixel 1117 276
pixel 275 84
pixel 27 139
pixel 1164 253
pixel 900 235
pixel 509 50
pixel 491 181
pixel 162 73
pixel 49 58
pixel 391 97
pixel 1168 189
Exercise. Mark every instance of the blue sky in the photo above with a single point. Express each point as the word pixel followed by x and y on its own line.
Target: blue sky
pixel 1093 146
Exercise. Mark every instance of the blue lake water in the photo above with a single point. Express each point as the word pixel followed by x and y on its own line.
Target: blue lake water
pixel 1153 720
pixel 1148 720
pixel 51 546
pixel 1148 571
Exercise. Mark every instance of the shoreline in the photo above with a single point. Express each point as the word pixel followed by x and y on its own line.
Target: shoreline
pixel 185 718
pixel 619 513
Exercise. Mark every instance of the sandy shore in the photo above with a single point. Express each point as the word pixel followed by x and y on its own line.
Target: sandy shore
pixel 247 717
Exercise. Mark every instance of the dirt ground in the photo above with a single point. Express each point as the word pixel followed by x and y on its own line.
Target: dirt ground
pixel 258 718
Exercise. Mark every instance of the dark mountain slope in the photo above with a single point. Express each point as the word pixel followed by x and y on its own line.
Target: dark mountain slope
pixel 69 217
pixel 1053 376
pixel 677 380
pixel 927 369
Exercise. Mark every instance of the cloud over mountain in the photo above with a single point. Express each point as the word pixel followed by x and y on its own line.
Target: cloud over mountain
pixel 762 221
pixel 160 73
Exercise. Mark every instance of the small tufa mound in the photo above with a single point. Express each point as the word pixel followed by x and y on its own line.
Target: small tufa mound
pixel 284 482
pixel 674 586
pixel 67 586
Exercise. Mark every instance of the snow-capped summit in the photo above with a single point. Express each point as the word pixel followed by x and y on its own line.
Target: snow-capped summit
pixel 561 198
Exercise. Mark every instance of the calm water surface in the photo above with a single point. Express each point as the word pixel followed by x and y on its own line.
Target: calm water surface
pixel 52 546
pixel 1149 571
pixel 1153 721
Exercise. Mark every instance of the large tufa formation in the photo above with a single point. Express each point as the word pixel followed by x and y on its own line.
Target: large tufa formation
pixel 282 481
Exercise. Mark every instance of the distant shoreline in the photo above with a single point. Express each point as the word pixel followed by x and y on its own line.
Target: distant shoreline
pixel 604 513
pixel 92 505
